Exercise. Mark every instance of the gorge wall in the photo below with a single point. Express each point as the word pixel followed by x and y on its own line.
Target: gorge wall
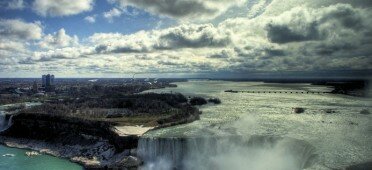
pixel 66 130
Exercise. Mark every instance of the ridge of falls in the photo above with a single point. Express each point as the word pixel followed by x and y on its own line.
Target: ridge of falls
pixel 7 116
pixel 5 121
pixel 233 152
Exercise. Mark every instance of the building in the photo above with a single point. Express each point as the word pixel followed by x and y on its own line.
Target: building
pixel 52 80
pixel 48 82
pixel 35 88
pixel 43 81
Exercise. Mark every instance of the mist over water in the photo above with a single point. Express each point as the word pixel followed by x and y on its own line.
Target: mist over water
pixel 236 152
pixel 260 131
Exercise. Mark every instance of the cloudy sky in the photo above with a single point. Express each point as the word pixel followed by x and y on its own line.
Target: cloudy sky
pixel 185 38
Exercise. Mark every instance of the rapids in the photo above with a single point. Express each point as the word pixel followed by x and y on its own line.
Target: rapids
pixel 260 131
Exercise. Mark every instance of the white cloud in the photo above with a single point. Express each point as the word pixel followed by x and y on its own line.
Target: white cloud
pixel 258 7
pixel 15 38
pixel 306 38
pixel 11 46
pixel 18 29
pixel 55 8
pixel 183 36
pixel 58 39
pixel 90 19
pixel 110 15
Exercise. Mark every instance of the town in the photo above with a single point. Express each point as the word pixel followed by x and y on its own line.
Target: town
pixel 49 88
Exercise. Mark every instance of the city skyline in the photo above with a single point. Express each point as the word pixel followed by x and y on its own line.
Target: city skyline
pixel 194 38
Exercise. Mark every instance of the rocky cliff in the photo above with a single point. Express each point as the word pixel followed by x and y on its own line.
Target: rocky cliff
pixel 94 144
pixel 91 143
pixel 66 130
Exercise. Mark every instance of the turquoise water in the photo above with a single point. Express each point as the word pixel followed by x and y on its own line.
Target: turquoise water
pixel 19 161
pixel 22 162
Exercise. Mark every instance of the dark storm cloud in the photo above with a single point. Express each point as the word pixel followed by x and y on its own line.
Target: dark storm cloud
pixel 329 49
pixel 104 48
pixel 284 34
pixel 347 16
pixel 194 36
pixel 101 48
pixel 176 40
pixel 179 9
pixel 275 52
pixel 127 50
pixel 304 25
pixel 176 8
pixel 261 52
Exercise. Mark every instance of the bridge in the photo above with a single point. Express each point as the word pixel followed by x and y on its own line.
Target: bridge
pixel 268 91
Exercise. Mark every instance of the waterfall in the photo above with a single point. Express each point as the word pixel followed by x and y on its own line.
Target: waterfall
pixel 4 122
pixel 235 152
pixel 10 122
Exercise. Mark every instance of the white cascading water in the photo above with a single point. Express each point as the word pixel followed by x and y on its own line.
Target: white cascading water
pixel 10 121
pixel 255 152
pixel 340 138
pixel 4 122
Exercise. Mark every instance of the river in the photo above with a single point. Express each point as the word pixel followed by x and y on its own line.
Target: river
pixel 249 131
pixel 260 131
pixel 16 159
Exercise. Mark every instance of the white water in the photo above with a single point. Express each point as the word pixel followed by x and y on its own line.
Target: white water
pixel 6 123
pixel 336 139
pixel 3 122
pixel 256 152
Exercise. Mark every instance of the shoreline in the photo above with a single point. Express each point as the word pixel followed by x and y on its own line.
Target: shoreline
pixel 118 151
pixel 15 143
pixel 70 153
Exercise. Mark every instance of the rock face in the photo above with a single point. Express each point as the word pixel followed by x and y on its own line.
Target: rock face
pixel 129 162
pixel 298 110
pixel 197 101
pixel 214 100
pixel 91 143
pixel 361 166
pixel 94 144
pixel 365 112
pixel 66 130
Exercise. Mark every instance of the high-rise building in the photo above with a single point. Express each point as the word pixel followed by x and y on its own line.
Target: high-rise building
pixel 43 80
pixel 34 87
pixel 48 82
pixel 52 80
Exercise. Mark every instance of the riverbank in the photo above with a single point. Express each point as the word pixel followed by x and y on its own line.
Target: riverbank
pixel 90 143
pixel 21 159
pixel 89 156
